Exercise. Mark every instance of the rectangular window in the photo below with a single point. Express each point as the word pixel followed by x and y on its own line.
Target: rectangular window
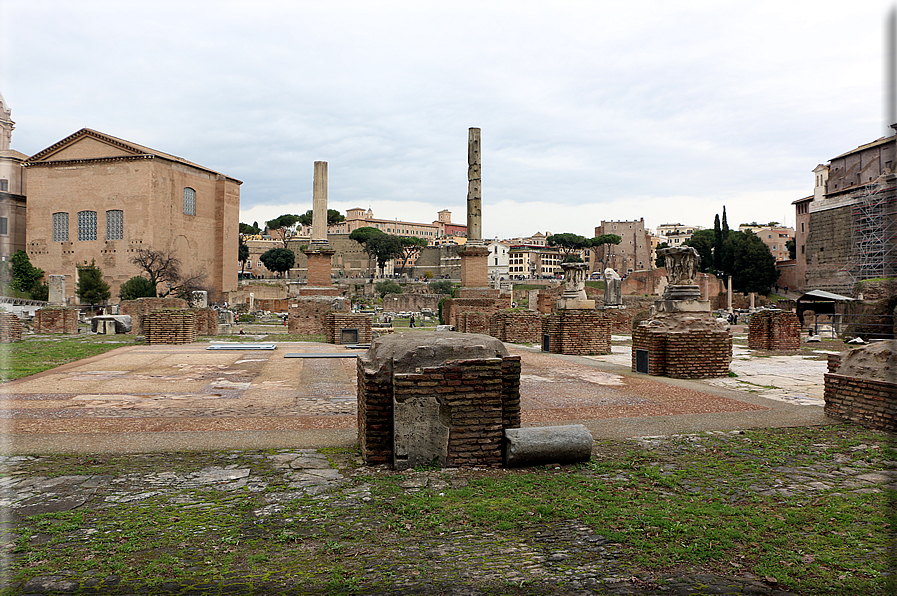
pixel 115 225
pixel 4 185
pixel 189 201
pixel 87 225
pixel 4 226
pixel 60 227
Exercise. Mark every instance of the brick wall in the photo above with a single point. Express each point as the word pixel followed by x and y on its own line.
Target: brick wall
pixel 306 315
pixel 516 327
pixel 335 322
pixel 578 331
pixel 694 354
pixel 473 322
pixel 479 399
pixel 10 328
pixel 276 305
pixel 141 307
pixel 452 307
pixel 56 320
pixel 206 321
pixel 474 266
pixel 170 326
pixel 774 330
pixel 319 268
pixel 872 404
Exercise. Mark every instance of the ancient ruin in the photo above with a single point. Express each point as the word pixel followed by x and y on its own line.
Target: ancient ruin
pixel 774 330
pixel 576 327
pixel 444 398
pixel 681 339
pixel 862 387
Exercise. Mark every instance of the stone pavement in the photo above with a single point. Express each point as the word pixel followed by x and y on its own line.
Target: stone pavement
pixel 157 398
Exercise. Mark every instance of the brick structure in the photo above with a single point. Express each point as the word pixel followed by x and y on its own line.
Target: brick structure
pixel 472 322
pixel 319 268
pixel 170 326
pixel 339 326
pixel 121 197
pixel 56 320
pixel 774 330
pixel 306 313
pixel 453 307
pixel 206 321
pixel 700 353
pixel 578 332
pixel 516 327
pixel 861 386
pixel 10 328
pixel 474 266
pixel 415 406
pixel 141 307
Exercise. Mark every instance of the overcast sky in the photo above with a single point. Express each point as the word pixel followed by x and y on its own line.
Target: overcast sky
pixel 589 111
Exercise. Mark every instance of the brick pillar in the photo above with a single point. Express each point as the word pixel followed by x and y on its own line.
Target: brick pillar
pixel 474 266
pixel 319 263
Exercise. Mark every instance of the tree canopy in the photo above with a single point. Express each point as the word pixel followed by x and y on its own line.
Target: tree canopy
pixel 387 287
pixel 411 247
pixel 281 224
pixel 278 260
pixel 91 288
pixel 251 230
pixel 751 264
pixel 159 267
pixel 568 243
pixel 137 287
pixel 660 260
pixel 333 217
pixel 702 241
pixel 598 242
pixel 25 276
pixel 378 244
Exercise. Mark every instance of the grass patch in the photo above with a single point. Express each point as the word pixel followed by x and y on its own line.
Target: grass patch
pixel 37 353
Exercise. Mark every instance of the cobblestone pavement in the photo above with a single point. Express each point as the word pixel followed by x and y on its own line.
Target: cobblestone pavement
pixel 334 492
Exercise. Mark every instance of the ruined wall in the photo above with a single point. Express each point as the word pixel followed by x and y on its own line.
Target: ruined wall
pixel 473 322
pixel 578 331
pixel 870 403
pixel 206 321
pixel 694 354
pixel 306 316
pixel 10 328
pixel 170 326
pixel 452 307
pixel 412 302
pixel 336 322
pixel 774 330
pixel 56 320
pixel 828 251
pixel 141 307
pixel 517 327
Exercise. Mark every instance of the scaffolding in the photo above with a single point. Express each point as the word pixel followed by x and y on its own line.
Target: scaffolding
pixel 873 250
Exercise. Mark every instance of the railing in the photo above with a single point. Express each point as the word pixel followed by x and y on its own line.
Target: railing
pixel 22 301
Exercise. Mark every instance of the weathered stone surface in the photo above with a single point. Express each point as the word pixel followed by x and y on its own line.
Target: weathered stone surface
pixel 411 354
pixel 877 361
pixel 122 322
pixel 547 444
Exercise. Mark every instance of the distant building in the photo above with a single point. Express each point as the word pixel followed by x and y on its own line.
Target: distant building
pixel 774 237
pixel 498 260
pixel 847 230
pixel 361 218
pixel 95 197
pixel 632 254
pixel 12 189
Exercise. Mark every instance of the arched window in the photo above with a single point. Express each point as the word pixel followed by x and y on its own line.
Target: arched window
pixel 87 225
pixel 115 224
pixel 60 227
pixel 189 201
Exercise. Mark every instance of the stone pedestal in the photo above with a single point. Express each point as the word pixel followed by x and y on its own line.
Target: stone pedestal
pixel 319 266
pixel 474 266
pixel 774 330
pixel 682 346
pixel 574 296
pixel 57 290
pixel 577 332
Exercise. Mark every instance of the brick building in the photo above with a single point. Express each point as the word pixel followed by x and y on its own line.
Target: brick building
pixel 847 230
pixel 95 197
pixel 632 254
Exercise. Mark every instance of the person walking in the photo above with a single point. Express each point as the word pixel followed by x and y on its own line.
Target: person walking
pixel 411 322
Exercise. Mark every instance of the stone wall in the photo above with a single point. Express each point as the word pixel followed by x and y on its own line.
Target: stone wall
pixel 411 302
pixel 828 251
pixel 516 327
pixel 336 322
pixel 10 328
pixel 170 326
pixel 306 315
pixel 206 321
pixel 578 331
pixel 774 330
pixel 56 320
pixel 695 354
pixel 870 403
pixel 143 306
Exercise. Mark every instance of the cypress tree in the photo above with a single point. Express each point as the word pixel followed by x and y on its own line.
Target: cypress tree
pixel 717 244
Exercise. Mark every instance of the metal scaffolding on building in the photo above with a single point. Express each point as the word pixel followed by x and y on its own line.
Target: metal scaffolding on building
pixel 874 231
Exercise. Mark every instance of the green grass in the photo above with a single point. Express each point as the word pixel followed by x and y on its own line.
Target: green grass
pixel 38 353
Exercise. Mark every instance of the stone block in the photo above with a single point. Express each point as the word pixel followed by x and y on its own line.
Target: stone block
pixel 535 446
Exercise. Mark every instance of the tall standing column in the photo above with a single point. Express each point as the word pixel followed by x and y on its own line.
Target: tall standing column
pixel 319 204
pixel 474 189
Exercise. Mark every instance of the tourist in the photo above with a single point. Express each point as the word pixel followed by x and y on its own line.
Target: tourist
pixel 411 321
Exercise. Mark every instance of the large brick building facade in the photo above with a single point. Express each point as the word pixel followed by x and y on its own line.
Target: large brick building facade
pixel 95 197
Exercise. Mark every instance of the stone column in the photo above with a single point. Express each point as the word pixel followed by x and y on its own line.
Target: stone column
pixel 474 189
pixel 57 290
pixel 319 204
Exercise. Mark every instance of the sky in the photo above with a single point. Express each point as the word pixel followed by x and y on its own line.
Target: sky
pixel 589 111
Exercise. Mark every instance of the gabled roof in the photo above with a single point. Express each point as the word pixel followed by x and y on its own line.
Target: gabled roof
pixel 131 151
pixel 876 142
